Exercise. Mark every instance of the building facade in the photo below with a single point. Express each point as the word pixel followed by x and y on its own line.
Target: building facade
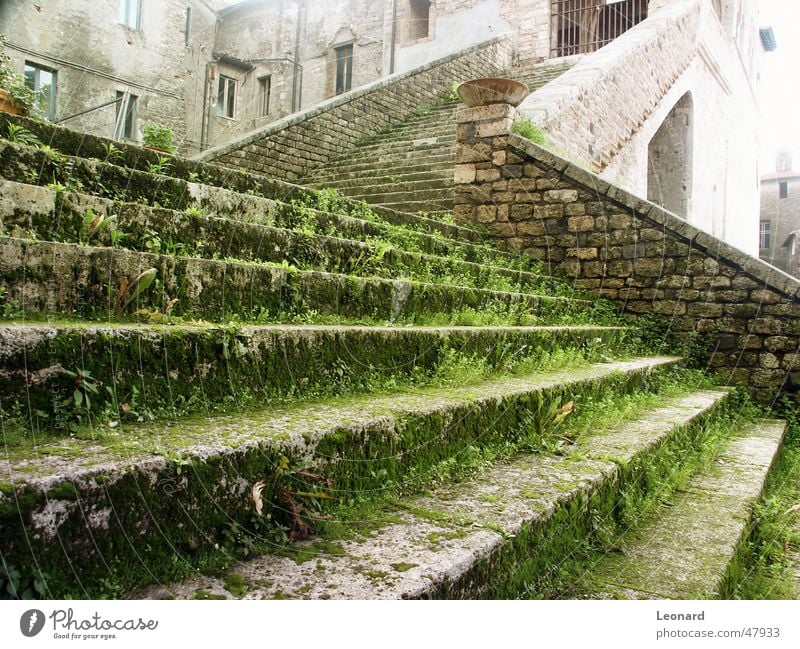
pixel 779 226
pixel 214 70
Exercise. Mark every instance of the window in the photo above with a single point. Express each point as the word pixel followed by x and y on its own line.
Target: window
pixel 764 235
pixel 226 96
pixel 187 27
pixel 126 116
pixel 783 189
pixel 264 87
pixel 418 19
pixel 130 13
pixel 344 68
pixel 43 81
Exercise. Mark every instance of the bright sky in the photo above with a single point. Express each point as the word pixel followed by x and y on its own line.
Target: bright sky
pixel 779 91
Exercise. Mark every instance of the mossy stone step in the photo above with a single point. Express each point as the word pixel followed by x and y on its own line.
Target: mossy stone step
pixel 48 278
pixel 211 187
pixel 463 540
pixel 44 214
pixel 166 492
pixel 688 552
pixel 362 170
pixel 378 184
pixel 162 368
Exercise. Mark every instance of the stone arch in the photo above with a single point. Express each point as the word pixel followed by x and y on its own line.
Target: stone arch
pixel 670 159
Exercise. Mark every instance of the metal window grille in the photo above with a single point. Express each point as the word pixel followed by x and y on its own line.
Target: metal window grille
pixel 581 26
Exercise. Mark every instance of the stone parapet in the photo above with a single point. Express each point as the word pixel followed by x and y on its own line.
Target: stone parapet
pixel 741 315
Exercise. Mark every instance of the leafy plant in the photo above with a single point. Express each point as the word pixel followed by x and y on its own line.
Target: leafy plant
pixel 113 154
pixel 159 136
pixel 527 129
pixel 15 585
pixel 21 135
pixel 162 166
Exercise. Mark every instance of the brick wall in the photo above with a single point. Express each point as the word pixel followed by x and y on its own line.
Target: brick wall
pixel 626 249
pixel 294 146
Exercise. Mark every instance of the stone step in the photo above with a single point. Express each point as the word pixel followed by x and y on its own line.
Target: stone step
pixel 190 184
pixel 688 551
pixel 463 540
pixel 373 194
pixel 365 169
pixel 405 133
pixel 148 494
pixel 355 178
pixel 219 202
pixel 154 367
pixel 45 278
pixel 43 214
pixel 420 143
pixel 406 182
pixel 420 206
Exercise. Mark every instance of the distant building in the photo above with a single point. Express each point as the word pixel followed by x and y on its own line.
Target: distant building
pixel 780 216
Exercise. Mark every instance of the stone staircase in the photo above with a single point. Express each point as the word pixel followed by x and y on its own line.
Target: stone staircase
pixel 215 384
pixel 410 167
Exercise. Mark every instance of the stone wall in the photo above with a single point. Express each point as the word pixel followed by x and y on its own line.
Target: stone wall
pixel 744 313
pixel 290 148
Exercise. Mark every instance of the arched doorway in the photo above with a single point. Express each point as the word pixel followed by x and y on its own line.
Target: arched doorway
pixel 669 160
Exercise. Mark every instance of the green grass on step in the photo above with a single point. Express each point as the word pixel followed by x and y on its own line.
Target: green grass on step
pixel 769 563
pixel 668 470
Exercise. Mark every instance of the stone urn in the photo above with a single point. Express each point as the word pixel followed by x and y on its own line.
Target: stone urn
pixel 483 92
pixel 6 105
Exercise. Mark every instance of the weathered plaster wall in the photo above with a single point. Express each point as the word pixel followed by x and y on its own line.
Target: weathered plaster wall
pixel 95 57
pixel 605 111
pixel 741 314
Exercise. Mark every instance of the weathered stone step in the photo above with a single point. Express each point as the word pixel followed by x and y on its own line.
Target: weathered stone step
pixel 48 278
pixel 407 133
pixel 427 207
pixel 418 144
pixel 257 210
pixel 407 182
pixel 172 490
pixel 209 188
pixel 355 178
pixel 687 552
pixel 464 539
pixel 43 214
pixel 401 158
pixel 373 194
pixel 364 169
pixel 154 367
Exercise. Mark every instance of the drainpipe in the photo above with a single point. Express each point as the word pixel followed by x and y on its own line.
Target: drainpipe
pixel 295 80
pixel 394 36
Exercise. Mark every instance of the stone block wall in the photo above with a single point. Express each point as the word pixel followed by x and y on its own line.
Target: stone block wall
pixel 292 147
pixel 745 313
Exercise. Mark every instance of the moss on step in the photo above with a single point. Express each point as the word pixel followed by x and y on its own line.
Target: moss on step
pixel 201 493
